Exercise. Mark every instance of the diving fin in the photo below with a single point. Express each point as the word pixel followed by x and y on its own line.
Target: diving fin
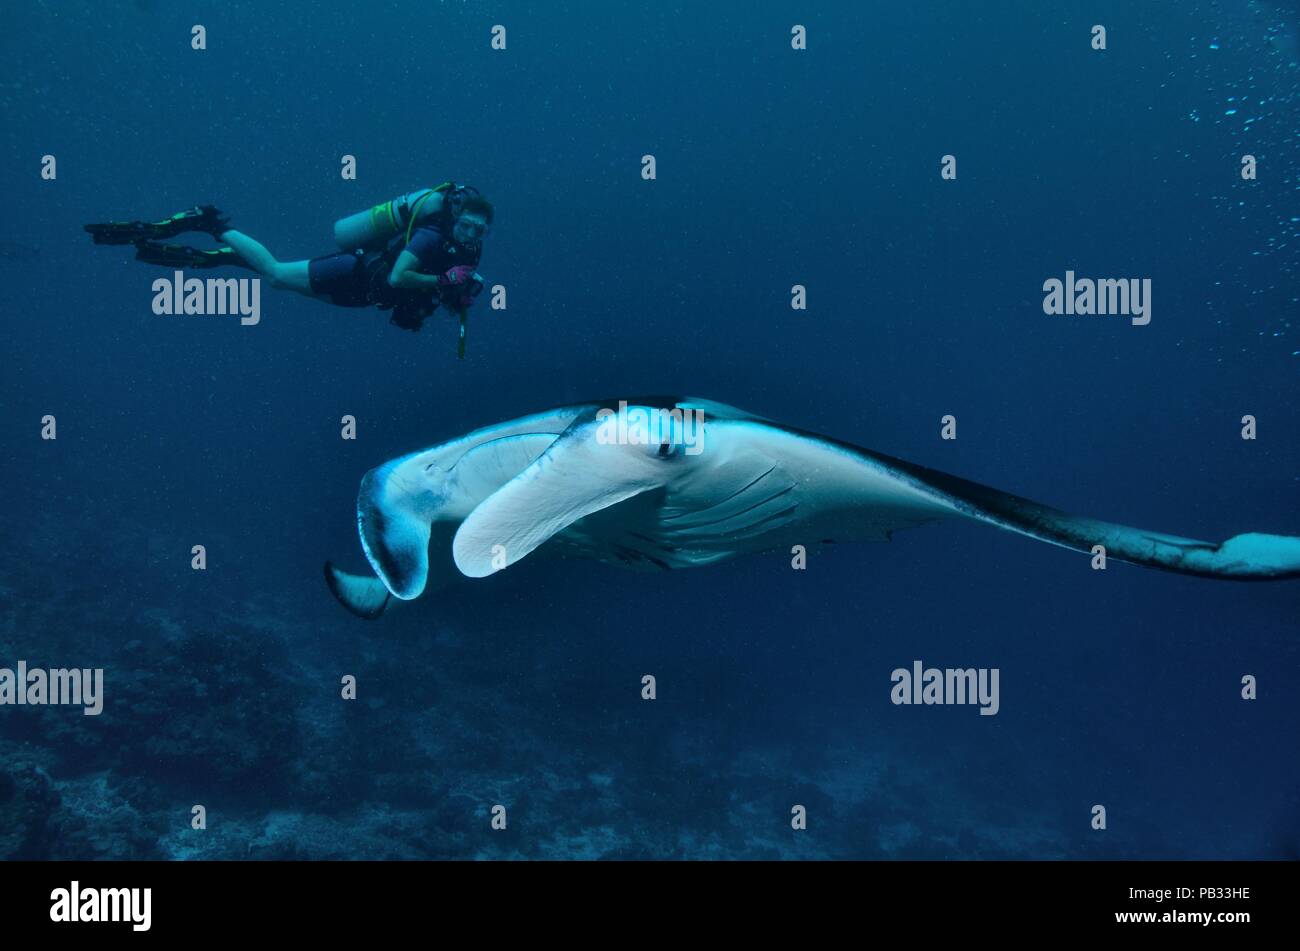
pixel 182 256
pixel 199 218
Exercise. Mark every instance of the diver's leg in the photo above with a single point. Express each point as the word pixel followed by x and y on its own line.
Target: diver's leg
pixel 287 274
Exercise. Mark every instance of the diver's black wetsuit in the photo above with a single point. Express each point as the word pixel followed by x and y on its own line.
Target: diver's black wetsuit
pixel 356 279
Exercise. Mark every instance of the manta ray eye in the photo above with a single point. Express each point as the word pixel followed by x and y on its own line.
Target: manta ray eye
pixel 667 450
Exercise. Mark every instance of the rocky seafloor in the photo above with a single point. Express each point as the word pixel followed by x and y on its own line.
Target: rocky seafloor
pixel 234 704
pixel 231 719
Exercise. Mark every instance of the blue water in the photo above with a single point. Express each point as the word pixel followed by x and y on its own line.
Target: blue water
pixel 774 167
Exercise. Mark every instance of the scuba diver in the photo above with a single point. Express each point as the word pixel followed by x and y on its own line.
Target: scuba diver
pixel 408 255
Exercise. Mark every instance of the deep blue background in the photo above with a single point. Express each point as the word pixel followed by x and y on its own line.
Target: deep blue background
pixel 775 167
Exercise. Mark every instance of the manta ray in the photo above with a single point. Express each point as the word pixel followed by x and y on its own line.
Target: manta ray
pixel 568 482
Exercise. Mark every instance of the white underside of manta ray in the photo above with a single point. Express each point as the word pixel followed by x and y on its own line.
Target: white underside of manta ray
pixel 551 484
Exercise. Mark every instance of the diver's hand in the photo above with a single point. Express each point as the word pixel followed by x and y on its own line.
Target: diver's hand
pixel 455 276
pixel 463 285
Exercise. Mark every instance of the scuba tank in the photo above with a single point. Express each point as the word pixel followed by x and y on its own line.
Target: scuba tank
pixel 373 229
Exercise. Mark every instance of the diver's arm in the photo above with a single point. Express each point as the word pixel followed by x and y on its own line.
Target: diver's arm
pixel 406 276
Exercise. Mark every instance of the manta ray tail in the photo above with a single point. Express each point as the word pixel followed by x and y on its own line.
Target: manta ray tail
pixel 363 595
pixel 1248 557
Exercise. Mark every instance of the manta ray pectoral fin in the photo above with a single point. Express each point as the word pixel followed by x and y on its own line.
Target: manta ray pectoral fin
pixel 363 595
pixel 1254 555
pixel 1247 557
pixel 574 478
